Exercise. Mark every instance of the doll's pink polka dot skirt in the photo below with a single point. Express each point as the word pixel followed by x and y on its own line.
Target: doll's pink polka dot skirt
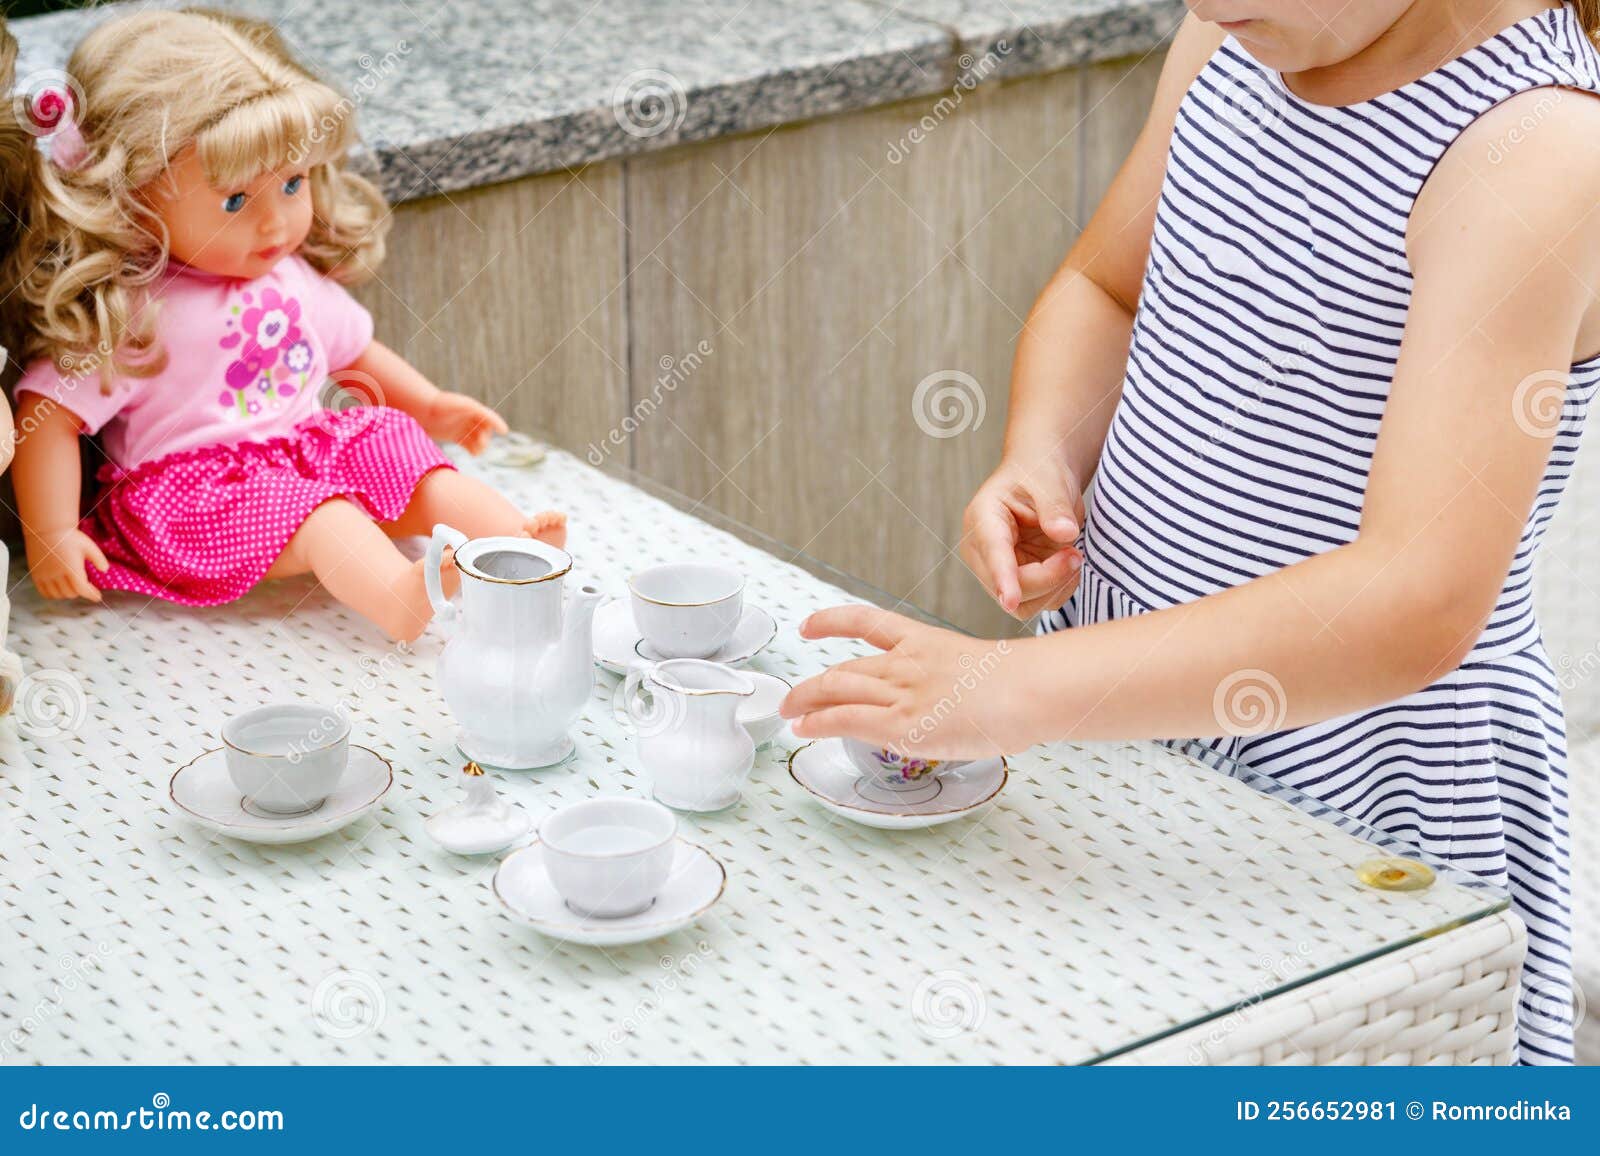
pixel 203 526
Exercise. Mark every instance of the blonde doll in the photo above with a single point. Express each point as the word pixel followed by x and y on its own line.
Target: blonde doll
pixel 181 277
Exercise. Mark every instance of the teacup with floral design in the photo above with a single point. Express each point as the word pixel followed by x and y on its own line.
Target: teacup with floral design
pixel 890 769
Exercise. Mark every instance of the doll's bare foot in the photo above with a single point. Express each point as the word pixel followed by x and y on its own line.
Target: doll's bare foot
pixel 550 526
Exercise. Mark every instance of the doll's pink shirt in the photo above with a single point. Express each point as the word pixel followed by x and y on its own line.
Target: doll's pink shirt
pixel 246 361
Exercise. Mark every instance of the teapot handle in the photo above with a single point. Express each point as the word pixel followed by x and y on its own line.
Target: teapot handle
pixel 443 536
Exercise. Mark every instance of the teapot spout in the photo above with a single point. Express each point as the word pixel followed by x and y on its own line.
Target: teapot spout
pixel 577 628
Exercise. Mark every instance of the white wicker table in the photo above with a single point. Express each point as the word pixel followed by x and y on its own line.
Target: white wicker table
pixel 1114 900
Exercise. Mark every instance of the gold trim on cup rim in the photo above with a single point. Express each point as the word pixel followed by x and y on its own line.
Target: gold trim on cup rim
pixel 540 836
pixel 222 733
pixel 737 590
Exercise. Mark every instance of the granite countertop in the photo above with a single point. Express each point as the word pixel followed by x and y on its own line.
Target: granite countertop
pixel 454 94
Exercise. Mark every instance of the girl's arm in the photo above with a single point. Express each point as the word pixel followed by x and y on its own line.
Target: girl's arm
pixel 1067 373
pixel 382 377
pixel 48 485
pixel 1503 258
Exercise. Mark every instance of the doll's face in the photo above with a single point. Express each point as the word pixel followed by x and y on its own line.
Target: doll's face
pixel 238 232
pixel 1300 35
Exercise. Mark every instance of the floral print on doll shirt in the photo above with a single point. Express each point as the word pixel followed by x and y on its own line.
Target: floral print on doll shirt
pixel 246 360
pixel 274 359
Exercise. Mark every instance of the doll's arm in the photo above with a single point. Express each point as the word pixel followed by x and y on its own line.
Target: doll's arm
pixel 48 490
pixel 383 377
pixel 8 429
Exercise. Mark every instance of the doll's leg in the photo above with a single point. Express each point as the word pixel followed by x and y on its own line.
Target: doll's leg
pixel 475 508
pixel 352 556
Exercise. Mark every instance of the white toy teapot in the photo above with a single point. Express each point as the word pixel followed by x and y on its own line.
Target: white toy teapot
pixel 519 665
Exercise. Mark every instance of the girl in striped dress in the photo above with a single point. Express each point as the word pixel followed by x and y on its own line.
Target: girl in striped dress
pixel 1326 350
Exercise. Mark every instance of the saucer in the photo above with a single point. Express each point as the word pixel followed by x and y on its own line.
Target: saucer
pixel 499 759
pixel 523 887
pixel 618 645
pixel 825 770
pixel 204 791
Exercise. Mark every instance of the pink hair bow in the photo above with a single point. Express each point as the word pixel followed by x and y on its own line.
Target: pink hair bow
pixel 54 115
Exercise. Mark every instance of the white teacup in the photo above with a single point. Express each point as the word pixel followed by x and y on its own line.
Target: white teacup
pixel 686 609
pixel 609 857
pixel 893 771
pixel 286 758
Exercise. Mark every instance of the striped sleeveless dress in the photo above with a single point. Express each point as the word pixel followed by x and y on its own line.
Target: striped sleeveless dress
pixel 1263 349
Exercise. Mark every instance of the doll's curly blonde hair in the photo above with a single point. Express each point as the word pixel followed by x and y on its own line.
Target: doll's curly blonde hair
pixel 148 86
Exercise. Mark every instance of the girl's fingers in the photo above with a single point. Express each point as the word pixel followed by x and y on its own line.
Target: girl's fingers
pixel 836 687
pixel 1057 574
pixel 97 556
pixel 869 723
pixel 1059 514
pixel 881 628
pixel 995 551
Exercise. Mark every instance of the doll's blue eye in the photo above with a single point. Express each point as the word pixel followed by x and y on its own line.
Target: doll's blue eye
pixel 234 203
pixel 292 185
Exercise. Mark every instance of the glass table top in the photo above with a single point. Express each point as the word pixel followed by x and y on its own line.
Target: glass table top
pixel 1110 895
pixel 1299 859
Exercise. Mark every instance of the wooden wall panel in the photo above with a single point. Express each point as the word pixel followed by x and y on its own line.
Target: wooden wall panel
pixel 513 293
pixel 834 267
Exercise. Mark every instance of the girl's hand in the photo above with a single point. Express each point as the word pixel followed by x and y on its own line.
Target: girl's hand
pixel 57 564
pixel 933 692
pixel 455 417
pixel 1019 532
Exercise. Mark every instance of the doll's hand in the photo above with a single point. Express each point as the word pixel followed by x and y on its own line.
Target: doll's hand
pixel 455 417
pixel 933 693
pixel 57 564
